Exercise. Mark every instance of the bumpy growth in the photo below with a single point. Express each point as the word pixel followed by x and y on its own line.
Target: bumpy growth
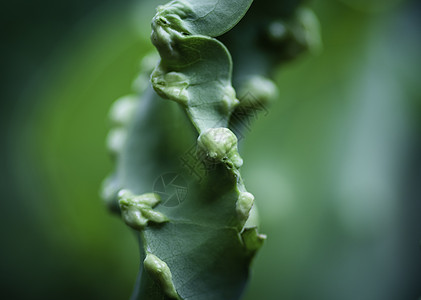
pixel 200 248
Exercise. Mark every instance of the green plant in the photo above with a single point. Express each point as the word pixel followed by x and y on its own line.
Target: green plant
pixel 202 247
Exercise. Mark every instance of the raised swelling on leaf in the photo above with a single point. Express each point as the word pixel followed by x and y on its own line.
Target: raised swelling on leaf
pixel 177 181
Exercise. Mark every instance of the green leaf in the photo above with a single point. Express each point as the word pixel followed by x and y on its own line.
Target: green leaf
pixel 200 248
pixel 199 240
pixel 205 17
pixel 197 74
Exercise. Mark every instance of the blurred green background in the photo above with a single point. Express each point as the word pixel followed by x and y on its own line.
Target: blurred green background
pixel 335 166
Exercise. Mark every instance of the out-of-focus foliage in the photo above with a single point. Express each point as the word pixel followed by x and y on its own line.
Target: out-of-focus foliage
pixel 337 182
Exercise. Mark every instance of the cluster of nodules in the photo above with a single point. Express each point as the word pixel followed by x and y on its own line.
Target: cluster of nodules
pixel 219 145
